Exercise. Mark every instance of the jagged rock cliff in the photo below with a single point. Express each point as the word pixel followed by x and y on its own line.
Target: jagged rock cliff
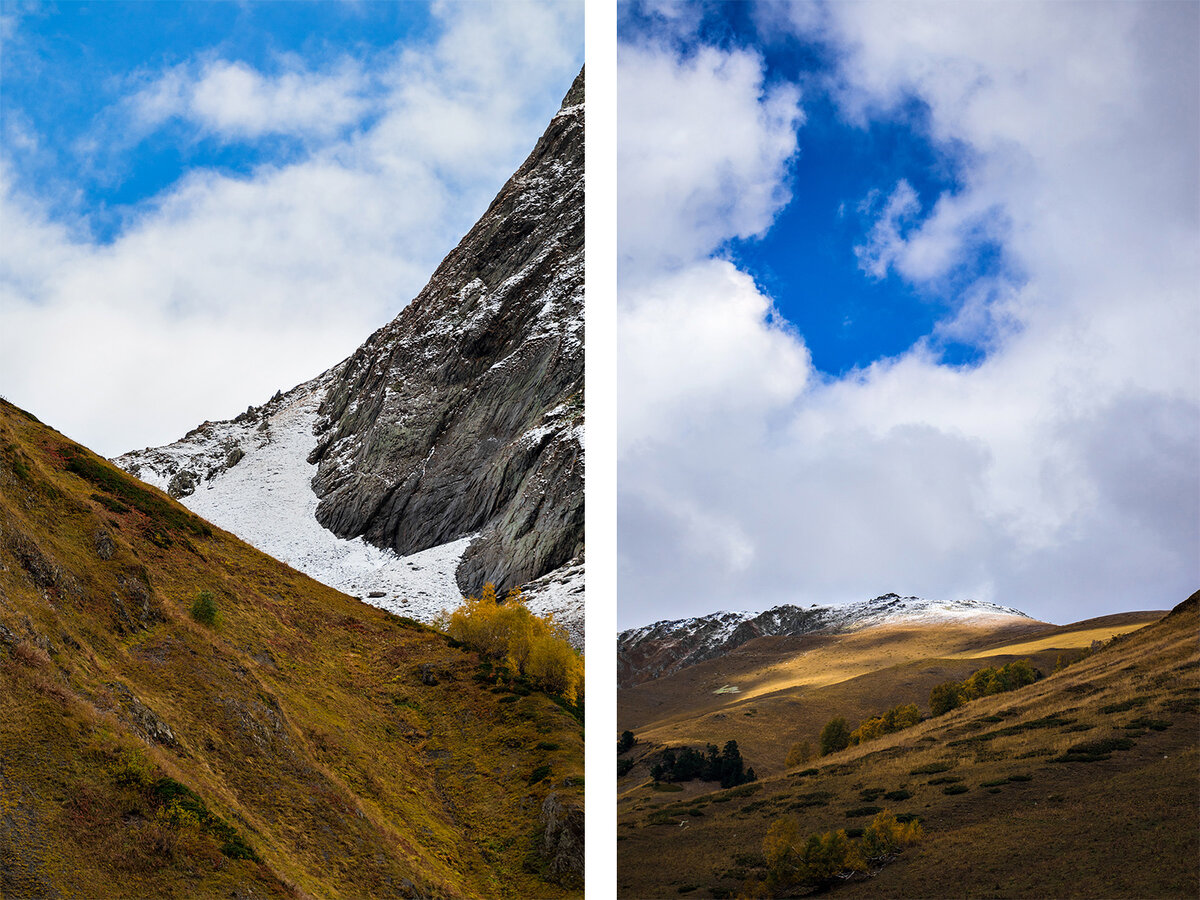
pixel 454 432
pixel 464 414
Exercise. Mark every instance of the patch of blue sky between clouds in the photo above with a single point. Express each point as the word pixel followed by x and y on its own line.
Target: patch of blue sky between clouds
pixel 823 260
pixel 267 181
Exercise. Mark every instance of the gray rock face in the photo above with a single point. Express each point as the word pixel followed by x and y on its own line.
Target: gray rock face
pixel 562 841
pixel 464 414
pixel 463 417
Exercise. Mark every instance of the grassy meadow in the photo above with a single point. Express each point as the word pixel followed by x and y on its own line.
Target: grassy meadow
pixel 183 716
pixel 1085 783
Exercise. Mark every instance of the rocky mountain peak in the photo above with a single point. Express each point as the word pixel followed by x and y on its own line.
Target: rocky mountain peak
pixel 448 450
pixel 465 413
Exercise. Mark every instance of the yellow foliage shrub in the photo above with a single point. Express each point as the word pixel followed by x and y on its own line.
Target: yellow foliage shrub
pixel 528 644
pixel 798 754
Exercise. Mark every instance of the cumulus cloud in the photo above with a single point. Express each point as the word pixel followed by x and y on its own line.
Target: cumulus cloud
pixel 224 287
pixel 703 150
pixel 1061 474
pixel 230 99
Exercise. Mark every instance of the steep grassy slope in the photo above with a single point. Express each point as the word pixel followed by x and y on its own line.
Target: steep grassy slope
pixel 302 745
pixel 776 691
pixel 1086 783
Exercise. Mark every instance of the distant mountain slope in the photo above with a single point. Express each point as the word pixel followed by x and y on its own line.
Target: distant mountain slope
pixel 668 646
pixel 456 429
pixel 149 750
pixel 1084 783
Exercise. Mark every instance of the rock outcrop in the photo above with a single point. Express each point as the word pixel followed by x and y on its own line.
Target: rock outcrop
pixel 464 414
pixel 460 420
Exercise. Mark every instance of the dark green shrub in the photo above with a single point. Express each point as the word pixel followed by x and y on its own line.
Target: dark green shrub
pixel 1124 705
pixel 859 811
pixel 897 795
pixel 204 608
pixel 835 736
pixel 1146 722
pixel 541 773
pixel 1094 751
pixel 624 766
pixel 625 744
pixel 955 789
pixel 945 779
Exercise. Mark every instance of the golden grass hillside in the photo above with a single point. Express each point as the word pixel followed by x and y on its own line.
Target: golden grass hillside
pixel 302 744
pixel 1083 784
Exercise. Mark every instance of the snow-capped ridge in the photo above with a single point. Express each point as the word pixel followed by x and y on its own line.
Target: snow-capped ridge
pixel 667 646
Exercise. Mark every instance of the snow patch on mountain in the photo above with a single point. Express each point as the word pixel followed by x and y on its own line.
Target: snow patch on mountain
pixel 670 645
pixel 266 499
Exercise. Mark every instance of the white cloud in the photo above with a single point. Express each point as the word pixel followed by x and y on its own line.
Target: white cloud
pixel 224 288
pixel 1062 473
pixel 703 151
pixel 234 100
pixel 697 346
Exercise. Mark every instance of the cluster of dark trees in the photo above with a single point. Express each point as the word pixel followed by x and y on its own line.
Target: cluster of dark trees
pixel 626 742
pixel 687 763
pixel 947 696
pixel 953 694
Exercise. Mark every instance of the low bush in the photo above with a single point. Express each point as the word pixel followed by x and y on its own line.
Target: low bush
pixel 955 789
pixel 798 754
pixel 204 608
pixel 859 811
pixel 895 796
pixel 1146 722
pixel 1094 751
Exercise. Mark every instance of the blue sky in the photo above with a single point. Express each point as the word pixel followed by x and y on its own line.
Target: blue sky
pixel 204 203
pixel 806 261
pixel 908 302
pixel 71 63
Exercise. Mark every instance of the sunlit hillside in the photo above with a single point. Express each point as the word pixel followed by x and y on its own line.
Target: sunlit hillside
pixel 181 715
pixel 1097 764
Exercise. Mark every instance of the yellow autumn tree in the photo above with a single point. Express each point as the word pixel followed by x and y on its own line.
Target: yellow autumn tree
pixel 530 645
pixel 885 837
pixel 798 754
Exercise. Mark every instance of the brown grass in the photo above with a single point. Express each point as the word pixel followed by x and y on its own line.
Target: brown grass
pixel 1026 825
pixel 301 719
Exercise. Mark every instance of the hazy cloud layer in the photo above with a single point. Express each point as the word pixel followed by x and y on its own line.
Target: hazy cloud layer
pixel 225 288
pixel 1062 474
